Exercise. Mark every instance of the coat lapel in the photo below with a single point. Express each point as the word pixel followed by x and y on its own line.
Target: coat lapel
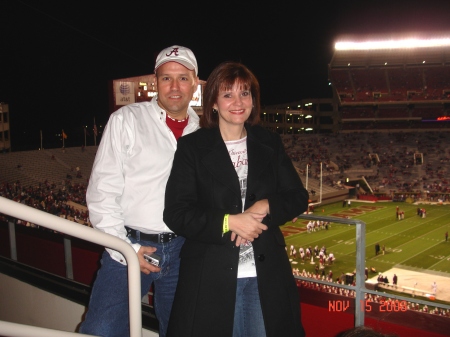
pixel 217 160
pixel 259 155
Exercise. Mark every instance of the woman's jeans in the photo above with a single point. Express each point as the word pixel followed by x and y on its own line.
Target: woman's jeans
pixel 248 318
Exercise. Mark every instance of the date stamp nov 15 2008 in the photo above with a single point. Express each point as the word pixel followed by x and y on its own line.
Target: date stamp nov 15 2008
pixel 367 306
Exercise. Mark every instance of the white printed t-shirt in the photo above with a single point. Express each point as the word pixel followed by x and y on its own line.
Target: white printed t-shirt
pixel 237 150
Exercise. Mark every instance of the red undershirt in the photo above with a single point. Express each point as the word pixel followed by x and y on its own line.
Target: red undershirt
pixel 176 126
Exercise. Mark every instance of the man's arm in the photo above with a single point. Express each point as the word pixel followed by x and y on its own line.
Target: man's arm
pixel 107 182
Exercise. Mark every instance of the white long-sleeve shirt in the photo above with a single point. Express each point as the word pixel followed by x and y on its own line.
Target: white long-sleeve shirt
pixel 130 171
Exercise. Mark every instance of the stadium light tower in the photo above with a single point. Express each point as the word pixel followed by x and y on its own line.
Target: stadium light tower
pixel 392 44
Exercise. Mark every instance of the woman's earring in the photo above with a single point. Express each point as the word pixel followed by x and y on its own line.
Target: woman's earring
pixel 215 111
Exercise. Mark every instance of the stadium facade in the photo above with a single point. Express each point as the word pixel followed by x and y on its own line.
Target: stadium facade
pixel 5 140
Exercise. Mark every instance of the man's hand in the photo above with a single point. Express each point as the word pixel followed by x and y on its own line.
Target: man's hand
pixel 146 267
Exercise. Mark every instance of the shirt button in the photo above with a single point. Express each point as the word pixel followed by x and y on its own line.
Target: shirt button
pixel 261 257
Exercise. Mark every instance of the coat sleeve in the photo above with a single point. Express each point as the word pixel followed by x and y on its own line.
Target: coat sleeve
pixel 290 198
pixel 187 211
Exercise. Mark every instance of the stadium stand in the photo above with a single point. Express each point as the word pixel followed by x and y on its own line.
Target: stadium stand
pixel 54 165
pixel 348 156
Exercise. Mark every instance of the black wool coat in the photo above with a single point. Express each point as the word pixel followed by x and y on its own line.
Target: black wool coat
pixel 202 188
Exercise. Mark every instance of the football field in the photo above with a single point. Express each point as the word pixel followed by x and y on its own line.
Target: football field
pixel 413 243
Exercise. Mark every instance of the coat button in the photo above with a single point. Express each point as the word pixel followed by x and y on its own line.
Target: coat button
pixel 261 257
pixel 251 197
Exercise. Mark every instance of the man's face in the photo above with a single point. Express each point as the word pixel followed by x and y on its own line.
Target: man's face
pixel 175 85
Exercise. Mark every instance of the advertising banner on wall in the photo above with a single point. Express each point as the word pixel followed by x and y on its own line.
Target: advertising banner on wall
pixel 124 92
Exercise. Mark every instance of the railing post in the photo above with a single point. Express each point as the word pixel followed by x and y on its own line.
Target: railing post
pixel 68 257
pixel 360 259
pixel 12 240
pixel 360 274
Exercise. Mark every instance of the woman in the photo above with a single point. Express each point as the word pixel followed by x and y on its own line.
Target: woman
pixel 231 187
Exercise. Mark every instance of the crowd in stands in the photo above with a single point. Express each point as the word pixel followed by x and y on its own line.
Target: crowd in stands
pixel 67 201
pixel 390 162
pixel 393 85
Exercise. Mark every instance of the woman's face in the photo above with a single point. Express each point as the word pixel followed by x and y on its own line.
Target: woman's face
pixel 234 106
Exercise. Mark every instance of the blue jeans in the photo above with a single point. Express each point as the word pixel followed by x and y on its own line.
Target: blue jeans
pixel 108 312
pixel 248 318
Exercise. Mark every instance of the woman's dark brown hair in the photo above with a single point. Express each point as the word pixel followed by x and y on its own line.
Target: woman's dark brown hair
pixel 223 77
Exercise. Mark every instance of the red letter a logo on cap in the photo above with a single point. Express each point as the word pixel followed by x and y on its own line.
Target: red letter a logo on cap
pixel 174 51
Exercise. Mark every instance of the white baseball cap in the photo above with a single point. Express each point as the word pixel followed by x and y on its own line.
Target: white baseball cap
pixel 179 54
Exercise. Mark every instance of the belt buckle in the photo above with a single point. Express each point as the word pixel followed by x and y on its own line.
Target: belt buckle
pixel 165 237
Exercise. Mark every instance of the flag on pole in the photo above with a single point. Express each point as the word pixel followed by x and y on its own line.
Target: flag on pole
pixel 64 134
pixel 95 133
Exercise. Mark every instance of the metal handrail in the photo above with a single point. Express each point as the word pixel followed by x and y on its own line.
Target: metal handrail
pixel 20 211
pixel 19 330
pixel 359 287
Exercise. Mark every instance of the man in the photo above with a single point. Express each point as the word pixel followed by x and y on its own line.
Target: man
pixel 434 287
pixel 126 192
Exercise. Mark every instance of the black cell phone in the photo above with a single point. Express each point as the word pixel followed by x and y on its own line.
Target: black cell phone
pixel 152 259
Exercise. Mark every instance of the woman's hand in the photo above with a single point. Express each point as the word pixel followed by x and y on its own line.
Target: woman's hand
pixel 246 226
pixel 259 207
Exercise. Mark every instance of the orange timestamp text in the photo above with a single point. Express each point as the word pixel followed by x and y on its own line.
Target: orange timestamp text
pixel 367 306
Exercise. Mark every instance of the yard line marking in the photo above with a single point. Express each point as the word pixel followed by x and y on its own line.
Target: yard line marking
pixel 407 229
pixel 418 252
pixel 446 258
pixel 418 237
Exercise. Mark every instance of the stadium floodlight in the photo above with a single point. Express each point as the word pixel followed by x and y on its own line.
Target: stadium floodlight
pixel 393 44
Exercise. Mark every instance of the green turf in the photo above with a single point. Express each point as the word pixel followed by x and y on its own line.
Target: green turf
pixel 413 242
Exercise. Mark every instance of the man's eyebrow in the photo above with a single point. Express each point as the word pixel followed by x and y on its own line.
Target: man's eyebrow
pixel 174 75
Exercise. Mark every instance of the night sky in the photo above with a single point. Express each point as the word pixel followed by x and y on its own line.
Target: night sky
pixel 58 56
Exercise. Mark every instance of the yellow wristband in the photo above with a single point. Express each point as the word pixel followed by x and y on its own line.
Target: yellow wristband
pixel 225 223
